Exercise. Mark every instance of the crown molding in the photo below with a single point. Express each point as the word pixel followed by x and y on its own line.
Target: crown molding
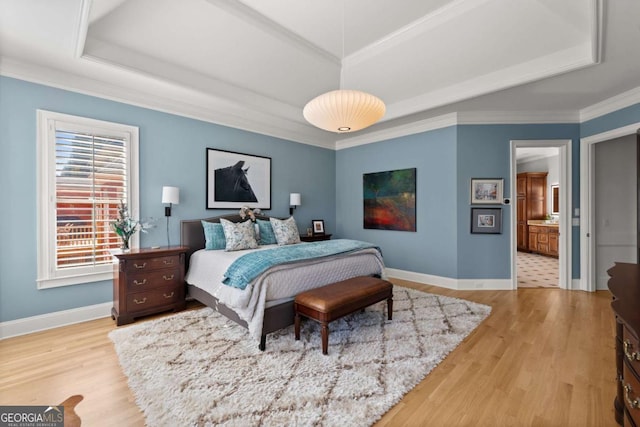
pixel 460 118
pixel 526 72
pixel 615 103
pixel 192 104
pixel 412 128
pixel 516 117
pixel 216 111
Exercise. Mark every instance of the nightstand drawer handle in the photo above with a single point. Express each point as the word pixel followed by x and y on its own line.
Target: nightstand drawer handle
pixel 631 355
pixel 168 262
pixel 140 266
pixel 168 278
pixel 168 296
pixel 140 302
pixel 135 282
pixel 633 404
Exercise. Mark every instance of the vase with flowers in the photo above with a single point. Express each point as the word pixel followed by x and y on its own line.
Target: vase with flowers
pixel 125 226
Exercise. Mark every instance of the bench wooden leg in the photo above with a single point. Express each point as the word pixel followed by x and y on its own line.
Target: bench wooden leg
pixel 325 338
pixel 296 326
pixel 389 308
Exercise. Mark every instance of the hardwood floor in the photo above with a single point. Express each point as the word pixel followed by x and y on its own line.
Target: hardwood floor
pixel 544 357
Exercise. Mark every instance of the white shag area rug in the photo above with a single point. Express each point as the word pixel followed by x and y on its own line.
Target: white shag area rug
pixel 197 368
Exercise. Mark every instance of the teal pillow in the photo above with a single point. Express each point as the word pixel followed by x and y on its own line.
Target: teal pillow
pixel 213 236
pixel 267 237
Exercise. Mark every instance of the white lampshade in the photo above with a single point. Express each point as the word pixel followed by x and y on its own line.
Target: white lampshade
pixel 344 110
pixel 294 199
pixel 170 195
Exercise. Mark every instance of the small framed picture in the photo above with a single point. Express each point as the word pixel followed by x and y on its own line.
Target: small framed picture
pixel 486 220
pixel 486 191
pixel 318 227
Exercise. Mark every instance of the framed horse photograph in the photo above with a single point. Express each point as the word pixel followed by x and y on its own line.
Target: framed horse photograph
pixel 236 179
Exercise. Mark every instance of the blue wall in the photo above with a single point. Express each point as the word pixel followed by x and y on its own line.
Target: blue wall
pixel 433 247
pixel 607 122
pixel 484 152
pixel 172 152
pixel 446 159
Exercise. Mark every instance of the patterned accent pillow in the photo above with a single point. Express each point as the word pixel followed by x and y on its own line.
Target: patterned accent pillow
pixel 286 231
pixel 267 237
pixel 239 235
pixel 213 236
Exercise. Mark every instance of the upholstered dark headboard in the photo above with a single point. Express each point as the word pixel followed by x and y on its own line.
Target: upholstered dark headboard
pixel 192 233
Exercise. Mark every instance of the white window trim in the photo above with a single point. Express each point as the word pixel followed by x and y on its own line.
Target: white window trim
pixel 48 275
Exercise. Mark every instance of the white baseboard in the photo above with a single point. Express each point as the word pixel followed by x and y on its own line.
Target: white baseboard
pixel 449 283
pixel 575 284
pixel 27 325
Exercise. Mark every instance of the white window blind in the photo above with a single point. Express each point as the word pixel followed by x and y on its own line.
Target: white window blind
pixel 87 172
pixel 91 180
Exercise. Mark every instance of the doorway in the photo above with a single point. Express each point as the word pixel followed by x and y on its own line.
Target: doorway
pixel 595 256
pixel 554 156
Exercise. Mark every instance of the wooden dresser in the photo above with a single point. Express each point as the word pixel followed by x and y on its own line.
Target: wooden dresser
pixel 148 281
pixel 625 287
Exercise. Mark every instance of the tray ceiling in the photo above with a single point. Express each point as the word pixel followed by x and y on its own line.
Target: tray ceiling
pixel 254 64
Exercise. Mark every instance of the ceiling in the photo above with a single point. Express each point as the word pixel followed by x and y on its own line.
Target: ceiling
pixel 254 64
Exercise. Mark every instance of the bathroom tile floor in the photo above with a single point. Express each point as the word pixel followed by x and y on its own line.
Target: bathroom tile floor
pixel 537 271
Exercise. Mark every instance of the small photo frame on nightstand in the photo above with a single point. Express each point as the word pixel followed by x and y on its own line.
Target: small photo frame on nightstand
pixel 318 227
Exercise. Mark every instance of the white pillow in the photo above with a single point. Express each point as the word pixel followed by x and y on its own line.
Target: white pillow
pixel 286 231
pixel 239 236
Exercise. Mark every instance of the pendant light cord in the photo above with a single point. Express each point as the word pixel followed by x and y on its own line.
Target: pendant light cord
pixel 342 67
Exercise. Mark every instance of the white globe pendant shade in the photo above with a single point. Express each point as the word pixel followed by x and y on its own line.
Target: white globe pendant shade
pixel 344 110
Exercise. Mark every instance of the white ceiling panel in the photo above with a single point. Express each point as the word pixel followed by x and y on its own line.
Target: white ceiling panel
pixel 361 21
pixel 254 63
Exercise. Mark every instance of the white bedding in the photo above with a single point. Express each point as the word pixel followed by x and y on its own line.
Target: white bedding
pixel 206 269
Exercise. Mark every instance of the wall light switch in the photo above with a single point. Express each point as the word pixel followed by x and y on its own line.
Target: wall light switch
pixel 576 212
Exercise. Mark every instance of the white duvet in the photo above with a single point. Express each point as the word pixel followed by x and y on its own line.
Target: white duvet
pixel 279 283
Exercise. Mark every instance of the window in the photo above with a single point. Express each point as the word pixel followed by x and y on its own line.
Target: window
pixel 86 169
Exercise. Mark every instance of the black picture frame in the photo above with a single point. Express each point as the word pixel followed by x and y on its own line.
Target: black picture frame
pixel 486 220
pixel 317 227
pixel 237 179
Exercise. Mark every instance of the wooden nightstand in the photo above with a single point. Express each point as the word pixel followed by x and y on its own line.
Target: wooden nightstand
pixel 148 281
pixel 315 238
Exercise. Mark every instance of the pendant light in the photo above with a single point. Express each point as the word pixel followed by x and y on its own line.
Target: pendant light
pixel 344 110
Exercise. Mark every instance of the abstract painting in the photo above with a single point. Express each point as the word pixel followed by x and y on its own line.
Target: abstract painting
pixel 390 200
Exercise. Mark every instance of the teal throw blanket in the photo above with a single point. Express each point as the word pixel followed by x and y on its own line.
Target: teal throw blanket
pixel 246 268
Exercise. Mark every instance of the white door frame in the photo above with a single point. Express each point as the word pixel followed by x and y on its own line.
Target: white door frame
pixel 564 249
pixel 587 208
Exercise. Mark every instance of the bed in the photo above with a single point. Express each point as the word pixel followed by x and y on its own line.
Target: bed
pixel 266 305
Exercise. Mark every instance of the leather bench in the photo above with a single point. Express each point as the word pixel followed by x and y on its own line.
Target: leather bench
pixel 333 301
